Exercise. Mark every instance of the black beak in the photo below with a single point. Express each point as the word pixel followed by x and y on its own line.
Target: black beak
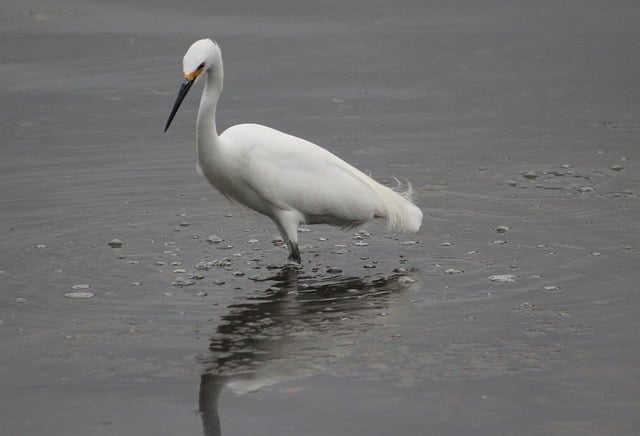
pixel 182 93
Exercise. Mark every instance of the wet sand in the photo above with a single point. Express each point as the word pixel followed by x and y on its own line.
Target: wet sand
pixel 513 311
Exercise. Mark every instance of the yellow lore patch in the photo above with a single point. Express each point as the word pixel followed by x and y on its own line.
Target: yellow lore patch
pixel 193 74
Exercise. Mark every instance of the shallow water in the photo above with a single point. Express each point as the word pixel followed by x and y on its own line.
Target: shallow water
pixel 523 116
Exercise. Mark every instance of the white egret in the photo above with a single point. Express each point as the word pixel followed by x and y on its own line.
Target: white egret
pixel 288 179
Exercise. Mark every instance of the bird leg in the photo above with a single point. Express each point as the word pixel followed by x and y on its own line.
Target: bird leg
pixel 294 253
pixel 287 223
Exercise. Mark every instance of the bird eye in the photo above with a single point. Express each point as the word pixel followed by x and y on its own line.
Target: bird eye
pixel 201 66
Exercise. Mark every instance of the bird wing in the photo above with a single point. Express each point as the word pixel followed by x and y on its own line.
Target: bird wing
pixel 291 173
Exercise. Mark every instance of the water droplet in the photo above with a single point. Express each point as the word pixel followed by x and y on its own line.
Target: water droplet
pixel 115 243
pixel 182 281
pixel 332 270
pixel 502 229
pixel 362 234
pixel 551 288
pixel 446 244
pixel 404 280
pixel 179 271
pixel 21 300
pixel 585 189
pixel 502 278
pixel 252 241
pixel 617 167
pixel 361 244
pixel 452 271
pixel 531 175
pixel 41 246
pixel 500 242
pixel 81 286
pixel 214 239
pixel 409 243
pixel 79 295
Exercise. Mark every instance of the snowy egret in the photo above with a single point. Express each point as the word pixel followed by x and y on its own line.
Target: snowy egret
pixel 288 179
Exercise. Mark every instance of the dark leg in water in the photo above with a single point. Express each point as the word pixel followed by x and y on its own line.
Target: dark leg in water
pixel 294 253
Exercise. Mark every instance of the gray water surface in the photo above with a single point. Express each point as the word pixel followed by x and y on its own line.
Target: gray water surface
pixel 513 311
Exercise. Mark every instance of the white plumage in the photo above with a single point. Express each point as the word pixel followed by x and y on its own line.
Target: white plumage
pixel 288 179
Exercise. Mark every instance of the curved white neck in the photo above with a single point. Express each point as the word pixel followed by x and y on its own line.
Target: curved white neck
pixel 206 133
pixel 207 140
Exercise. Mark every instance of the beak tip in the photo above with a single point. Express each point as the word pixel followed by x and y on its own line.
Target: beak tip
pixel 184 89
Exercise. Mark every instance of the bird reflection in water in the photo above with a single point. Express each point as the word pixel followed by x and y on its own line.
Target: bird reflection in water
pixel 288 331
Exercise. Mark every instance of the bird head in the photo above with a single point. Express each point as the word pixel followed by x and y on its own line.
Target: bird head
pixel 199 58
